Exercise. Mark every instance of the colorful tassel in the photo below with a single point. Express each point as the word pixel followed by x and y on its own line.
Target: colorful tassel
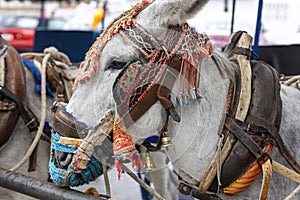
pixel 124 148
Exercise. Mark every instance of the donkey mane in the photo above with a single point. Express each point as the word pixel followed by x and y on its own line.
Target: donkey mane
pixel 226 64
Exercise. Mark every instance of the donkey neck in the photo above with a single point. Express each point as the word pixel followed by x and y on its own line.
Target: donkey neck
pixel 195 137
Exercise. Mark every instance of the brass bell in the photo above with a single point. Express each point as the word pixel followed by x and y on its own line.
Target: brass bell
pixel 165 140
pixel 149 165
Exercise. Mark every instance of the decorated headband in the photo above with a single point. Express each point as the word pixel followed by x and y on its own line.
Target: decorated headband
pixel 89 67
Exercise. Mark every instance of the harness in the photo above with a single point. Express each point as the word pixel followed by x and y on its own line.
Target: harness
pixel 251 126
pixel 12 92
pixel 252 121
pixel 249 129
pixel 247 140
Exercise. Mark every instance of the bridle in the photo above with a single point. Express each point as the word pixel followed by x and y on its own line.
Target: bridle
pixel 156 86
pixel 178 54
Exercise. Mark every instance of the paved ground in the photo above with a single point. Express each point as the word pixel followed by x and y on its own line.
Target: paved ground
pixel 123 189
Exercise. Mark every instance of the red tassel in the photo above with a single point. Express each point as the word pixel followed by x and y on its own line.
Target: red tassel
pixel 119 168
pixel 124 148
pixel 132 160
pixel 139 163
pixel 122 140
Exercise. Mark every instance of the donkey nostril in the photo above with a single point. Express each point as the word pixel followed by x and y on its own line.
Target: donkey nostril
pixel 62 159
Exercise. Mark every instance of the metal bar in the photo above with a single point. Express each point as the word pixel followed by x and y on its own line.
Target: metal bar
pixel 258 28
pixel 232 16
pixel 39 189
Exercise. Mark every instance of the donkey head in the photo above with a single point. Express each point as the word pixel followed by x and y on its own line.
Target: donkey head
pixel 133 38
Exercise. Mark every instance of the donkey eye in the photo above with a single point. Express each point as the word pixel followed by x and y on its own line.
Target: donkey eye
pixel 116 65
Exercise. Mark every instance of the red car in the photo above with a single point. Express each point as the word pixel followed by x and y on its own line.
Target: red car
pixel 19 31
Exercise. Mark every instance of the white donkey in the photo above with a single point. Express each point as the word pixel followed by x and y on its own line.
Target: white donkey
pixel 152 36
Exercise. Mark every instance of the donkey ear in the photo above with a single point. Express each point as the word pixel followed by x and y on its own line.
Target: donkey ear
pixel 172 12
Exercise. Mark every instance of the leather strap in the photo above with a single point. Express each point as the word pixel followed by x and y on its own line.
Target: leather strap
pixel 242 136
pixel 64 123
pixel 258 122
pixel 3 50
pixel 159 92
pixel 279 168
pixel 29 119
pixel 267 175
pixel 243 51
pixel 164 89
pixel 187 189
pixel 13 79
pixel 33 160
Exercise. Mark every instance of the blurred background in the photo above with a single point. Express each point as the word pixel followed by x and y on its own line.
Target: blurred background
pixel 20 19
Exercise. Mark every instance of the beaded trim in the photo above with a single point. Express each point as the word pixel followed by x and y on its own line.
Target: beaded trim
pixel 89 67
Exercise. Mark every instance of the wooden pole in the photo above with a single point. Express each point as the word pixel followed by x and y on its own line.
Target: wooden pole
pixel 142 183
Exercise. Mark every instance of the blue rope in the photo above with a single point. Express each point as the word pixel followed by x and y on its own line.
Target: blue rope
pixel 37 77
pixel 69 176
pixel 55 145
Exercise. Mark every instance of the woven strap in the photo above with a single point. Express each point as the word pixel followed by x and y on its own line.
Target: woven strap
pixel 68 177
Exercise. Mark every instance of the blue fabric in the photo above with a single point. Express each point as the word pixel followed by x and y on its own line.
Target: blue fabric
pixel 47 126
pixel 93 170
pixel 37 77
pixel 69 177
pixel 55 145
pixel 145 194
pixel 152 139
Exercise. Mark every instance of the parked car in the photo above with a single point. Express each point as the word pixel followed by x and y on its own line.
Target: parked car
pixel 19 30
pixel 2 19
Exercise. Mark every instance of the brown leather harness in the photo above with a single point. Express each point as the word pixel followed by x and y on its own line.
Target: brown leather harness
pixel 244 142
pixel 12 93
pixel 249 139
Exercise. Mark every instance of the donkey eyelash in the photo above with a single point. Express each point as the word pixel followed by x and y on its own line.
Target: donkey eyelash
pixel 116 65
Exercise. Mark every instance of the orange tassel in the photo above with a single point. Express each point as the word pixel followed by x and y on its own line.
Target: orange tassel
pixel 119 168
